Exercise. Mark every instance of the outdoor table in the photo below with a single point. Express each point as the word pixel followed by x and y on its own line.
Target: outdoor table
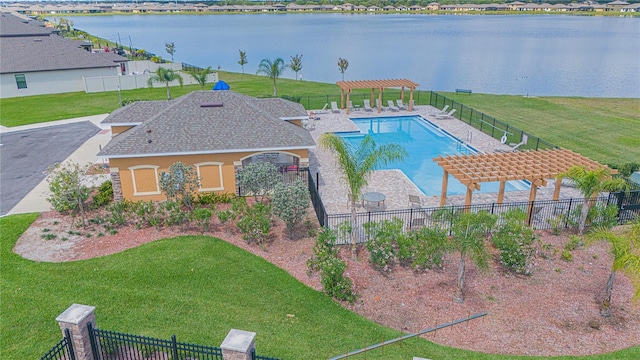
pixel 373 197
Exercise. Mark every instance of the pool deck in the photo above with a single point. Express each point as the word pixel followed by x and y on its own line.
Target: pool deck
pixel 393 183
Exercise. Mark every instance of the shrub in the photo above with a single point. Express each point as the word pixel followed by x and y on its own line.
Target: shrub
pixel 214 198
pixel 323 249
pixel 180 183
pixel 573 243
pixel 429 247
pixel 258 179
pixel 290 203
pixel 202 216
pixel 256 223
pixel 382 244
pixel 144 210
pixel 118 213
pixel 224 216
pixel 515 240
pixel 239 207
pixel 567 255
pixel 68 191
pixel 557 223
pixel 325 259
pixel 104 195
pixel 174 213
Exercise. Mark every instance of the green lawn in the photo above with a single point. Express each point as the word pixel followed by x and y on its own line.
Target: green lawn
pixel 602 129
pixel 197 288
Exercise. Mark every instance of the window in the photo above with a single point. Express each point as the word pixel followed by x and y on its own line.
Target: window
pixel 21 81
pixel 145 180
pixel 210 175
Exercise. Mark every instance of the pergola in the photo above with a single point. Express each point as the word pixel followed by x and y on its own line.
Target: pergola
pixel 347 86
pixel 534 166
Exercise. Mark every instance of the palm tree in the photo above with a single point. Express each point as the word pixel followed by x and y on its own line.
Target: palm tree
pixel 625 248
pixel 590 183
pixel 166 76
pixel 357 163
pixel 272 69
pixel 468 234
pixel 201 76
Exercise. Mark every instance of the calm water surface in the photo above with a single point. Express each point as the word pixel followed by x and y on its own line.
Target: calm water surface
pixel 554 55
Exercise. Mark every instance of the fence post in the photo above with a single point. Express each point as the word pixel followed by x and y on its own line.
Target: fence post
pixel 238 345
pixel 75 319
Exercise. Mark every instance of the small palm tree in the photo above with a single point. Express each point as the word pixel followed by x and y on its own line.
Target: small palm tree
pixel 590 183
pixel 272 69
pixel 201 76
pixel 468 234
pixel 166 76
pixel 625 247
pixel 357 163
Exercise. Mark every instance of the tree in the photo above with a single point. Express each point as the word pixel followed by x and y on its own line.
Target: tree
pixel 258 178
pixel 68 191
pixel 296 64
pixel 180 183
pixel 590 183
pixel 171 49
pixel 468 233
pixel 164 75
pixel 290 203
pixel 343 64
pixel 625 247
pixel 357 163
pixel 201 76
pixel 243 60
pixel 272 69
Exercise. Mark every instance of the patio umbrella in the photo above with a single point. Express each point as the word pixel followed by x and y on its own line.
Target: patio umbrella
pixel 221 85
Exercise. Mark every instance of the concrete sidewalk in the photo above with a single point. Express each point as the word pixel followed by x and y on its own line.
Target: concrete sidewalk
pixel 35 200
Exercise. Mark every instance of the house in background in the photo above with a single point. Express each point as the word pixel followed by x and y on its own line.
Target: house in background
pixel 217 132
pixel 33 61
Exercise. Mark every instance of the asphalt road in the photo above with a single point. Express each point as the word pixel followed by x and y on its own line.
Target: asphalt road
pixel 26 155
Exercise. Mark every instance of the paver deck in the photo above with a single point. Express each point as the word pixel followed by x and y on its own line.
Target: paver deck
pixel 394 183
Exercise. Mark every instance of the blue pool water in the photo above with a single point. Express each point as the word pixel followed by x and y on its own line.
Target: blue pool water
pixel 423 141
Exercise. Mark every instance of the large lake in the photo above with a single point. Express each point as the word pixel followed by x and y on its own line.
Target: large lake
pixel 554 55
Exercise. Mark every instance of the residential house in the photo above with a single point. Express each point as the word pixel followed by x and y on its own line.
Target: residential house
pixel 217 132
pixel 34 61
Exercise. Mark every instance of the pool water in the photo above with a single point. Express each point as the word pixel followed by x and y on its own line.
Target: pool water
pixel 423 141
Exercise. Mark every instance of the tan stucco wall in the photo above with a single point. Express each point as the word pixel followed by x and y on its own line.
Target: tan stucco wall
pixel 164 162
pixel 115 130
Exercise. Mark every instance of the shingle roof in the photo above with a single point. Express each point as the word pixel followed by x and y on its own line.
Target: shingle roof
pixel 26 48
pixel 182 126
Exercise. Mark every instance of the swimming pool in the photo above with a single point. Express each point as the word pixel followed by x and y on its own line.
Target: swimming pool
pixel 423 141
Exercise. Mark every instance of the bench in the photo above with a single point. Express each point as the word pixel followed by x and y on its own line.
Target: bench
pixel 465 91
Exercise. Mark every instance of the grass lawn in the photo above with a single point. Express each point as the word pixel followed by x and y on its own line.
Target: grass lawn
pixel 197 288
pixel 602 129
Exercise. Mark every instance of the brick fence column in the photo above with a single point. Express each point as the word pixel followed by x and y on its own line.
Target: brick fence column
pixel 76 318
pixel 238 345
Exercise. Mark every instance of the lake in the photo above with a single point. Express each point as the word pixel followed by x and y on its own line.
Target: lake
pixel 538 55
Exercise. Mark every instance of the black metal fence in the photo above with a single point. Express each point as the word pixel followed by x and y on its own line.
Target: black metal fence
pixel 111 345
pixel 288 175
pixel 488 124
pixel 545 214
pixel 63 350
pixel 316 200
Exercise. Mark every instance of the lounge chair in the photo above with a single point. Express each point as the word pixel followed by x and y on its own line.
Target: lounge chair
pixel 334 107
pixel 350 105
pixel 448 115
pixel 415 202
pixel 514 147
pixel 444 109
pixel 401 105
pixel 367 105
pixel 392 106
pixel 379 106
pixel 323 110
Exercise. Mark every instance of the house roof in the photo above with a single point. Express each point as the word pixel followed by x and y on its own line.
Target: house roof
pixel 27 48
pixel 183 126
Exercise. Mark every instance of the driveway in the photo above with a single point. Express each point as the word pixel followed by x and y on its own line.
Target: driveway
pixel 25 156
